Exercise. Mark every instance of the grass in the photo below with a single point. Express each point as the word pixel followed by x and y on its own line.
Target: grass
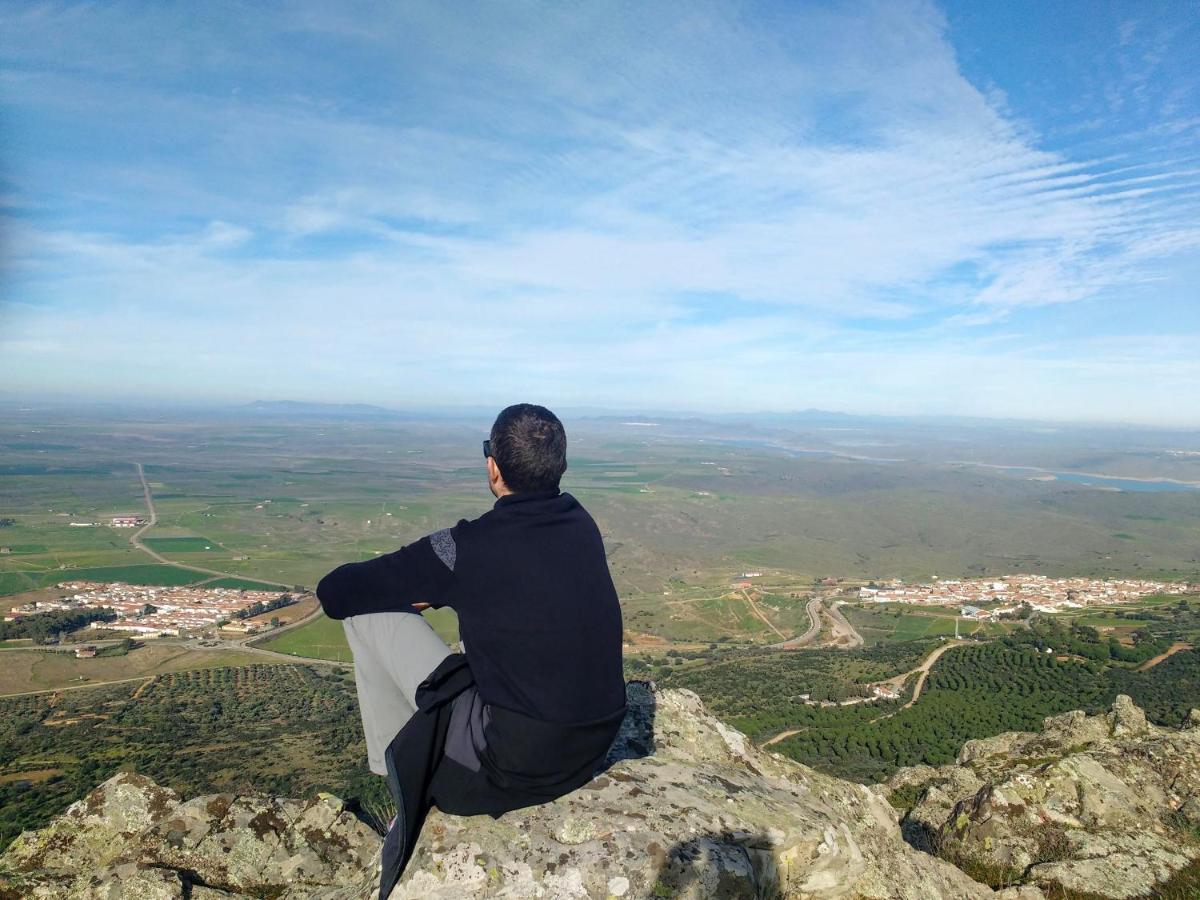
pixel 168 545
pixel 18 582
pixel 240 584
pixel 324 638
pixel 881 624
pixel 33 670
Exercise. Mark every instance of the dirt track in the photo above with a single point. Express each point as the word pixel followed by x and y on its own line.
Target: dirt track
pixel 897 682
pixel 136 540
pixel 842 628
pixel 1171 651
pixel 924 670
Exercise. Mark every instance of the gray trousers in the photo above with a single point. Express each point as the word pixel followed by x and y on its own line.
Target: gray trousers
pixel 393 653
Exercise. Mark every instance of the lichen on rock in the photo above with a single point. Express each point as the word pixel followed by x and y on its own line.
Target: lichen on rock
pixel 1095 805
pixel 686 808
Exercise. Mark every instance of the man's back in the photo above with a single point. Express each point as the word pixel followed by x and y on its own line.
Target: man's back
pixel 537 609
pixel 538 612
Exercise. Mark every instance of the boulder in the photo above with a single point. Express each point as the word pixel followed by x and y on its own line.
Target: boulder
pixel 1097 805
pixel 687 808
pixel 131 839
pixel 704 814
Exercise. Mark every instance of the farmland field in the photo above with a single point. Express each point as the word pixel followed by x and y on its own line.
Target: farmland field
pixel 239 584
pixel 169 545
pixel 35 670
pixel 324 638
pixel 886 623
pixel 13 582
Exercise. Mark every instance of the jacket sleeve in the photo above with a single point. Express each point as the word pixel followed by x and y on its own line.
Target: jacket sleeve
pixel 420 572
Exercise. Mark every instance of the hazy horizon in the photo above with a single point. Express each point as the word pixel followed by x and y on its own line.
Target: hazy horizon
pixel 149 404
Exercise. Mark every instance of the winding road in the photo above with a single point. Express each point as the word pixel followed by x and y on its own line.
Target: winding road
pixel 1171 651
pixel 814 617
pixel 842 628
pixel 922 671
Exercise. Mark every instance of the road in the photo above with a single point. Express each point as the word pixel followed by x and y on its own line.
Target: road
pixel 136 540
pixel 267 655
pixel 897 682
pixel 758 612
pixel 842 628
pixel 924 670
pixel 1171 651
pixel 814 628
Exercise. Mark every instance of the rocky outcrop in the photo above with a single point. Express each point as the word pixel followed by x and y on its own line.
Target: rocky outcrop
pixel 1095 806
pixel 130 838
pixel 688 808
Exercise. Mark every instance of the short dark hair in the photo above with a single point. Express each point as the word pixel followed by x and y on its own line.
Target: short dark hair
pixel 530 448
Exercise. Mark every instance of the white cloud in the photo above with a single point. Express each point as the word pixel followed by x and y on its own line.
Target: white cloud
pixel 699 201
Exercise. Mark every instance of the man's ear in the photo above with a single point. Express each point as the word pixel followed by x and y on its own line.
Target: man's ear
pixel 496 478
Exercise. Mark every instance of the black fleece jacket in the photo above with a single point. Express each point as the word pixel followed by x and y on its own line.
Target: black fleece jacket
pixel 537 610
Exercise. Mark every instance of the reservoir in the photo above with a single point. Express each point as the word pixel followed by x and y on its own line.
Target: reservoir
pixel 1109 482
pixel 1125 484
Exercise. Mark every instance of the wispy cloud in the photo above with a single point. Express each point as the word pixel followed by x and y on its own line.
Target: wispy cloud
pixel 675 204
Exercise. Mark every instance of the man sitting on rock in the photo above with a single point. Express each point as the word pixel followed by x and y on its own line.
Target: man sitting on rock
pixel 528 711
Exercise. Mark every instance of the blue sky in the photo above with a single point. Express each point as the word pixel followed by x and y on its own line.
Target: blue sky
pixel 895 207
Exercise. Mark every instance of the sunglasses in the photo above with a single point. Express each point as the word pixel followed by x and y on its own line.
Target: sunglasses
pixel 487 449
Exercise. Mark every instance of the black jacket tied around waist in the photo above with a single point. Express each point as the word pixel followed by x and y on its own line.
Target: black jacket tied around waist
pixel 470 758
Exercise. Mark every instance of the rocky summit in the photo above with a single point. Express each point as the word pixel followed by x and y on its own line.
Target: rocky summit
pixel 1102 806
pixel 1089 807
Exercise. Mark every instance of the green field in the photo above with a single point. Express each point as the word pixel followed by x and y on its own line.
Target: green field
pixel 683 508
pixel 169 545
pixel 39 670
pixel 324 638
pixel 892 623
pixel 240 584
pixel 16 582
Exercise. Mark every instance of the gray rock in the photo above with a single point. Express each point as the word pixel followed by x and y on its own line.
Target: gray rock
pixel 706 815
pixel 131 839
pixel 689 808
pixel 1084 806
pixel 1125 718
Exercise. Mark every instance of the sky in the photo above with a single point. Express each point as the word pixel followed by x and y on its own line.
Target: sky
pixel 897 207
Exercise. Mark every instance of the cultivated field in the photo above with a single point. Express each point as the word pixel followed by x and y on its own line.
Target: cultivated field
pixel 37 670
pixel 324 638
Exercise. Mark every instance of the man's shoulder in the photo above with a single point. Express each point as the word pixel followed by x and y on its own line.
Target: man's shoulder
pixel 503 514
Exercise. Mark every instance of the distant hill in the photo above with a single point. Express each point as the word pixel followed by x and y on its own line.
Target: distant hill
pixel 295 408
pixel 363 412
